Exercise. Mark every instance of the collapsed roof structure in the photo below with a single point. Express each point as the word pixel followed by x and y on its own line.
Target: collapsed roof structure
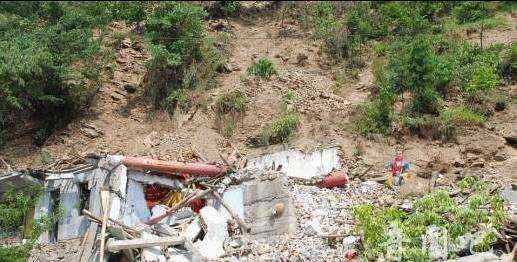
pixel 153 210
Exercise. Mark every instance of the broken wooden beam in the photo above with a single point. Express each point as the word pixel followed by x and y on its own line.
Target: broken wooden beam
pixel 116 245
pixel 105 203
pixel 142 163
pixel 98 220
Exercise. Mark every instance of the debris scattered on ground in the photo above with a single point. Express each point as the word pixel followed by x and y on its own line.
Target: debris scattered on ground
pixel 287 206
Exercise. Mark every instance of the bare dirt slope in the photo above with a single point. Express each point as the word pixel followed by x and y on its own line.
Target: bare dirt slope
pixel 123 123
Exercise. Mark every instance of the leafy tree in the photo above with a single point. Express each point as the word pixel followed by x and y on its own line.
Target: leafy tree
pixel 183 56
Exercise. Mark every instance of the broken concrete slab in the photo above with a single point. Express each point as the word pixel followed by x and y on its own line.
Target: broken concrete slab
pixel 260 199
pixel 118 184
pixel 297 164
pixel 192 230
pixel 212 245
pixel 234 197
pixel 135 209
pixel 71 224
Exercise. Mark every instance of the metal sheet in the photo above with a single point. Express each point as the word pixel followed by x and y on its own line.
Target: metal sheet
pixel 296 164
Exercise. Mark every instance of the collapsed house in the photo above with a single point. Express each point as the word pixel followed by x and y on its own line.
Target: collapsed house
pixel 159 211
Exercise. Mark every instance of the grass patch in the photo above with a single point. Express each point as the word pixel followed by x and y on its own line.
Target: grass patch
pixel 434 209
pixel 228 107
pixel 14 209
pixel 281 130
pixel 229 127
pixel 231 102
pixel 264 68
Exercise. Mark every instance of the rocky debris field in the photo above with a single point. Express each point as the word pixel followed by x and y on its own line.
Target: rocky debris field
pixel 291 206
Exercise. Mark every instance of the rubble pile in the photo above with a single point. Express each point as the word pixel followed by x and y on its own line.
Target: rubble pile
pixel 286 206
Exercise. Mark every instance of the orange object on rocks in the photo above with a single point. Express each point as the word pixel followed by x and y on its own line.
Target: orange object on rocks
pixel 335 179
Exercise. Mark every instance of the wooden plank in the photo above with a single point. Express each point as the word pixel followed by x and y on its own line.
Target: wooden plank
pixel 97 180
pixel 89 241
pixel 105 202
pixel 118 184
pixel 116 245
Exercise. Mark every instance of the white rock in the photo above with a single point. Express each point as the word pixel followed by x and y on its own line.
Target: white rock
pixel 435 241
pixel 192 230
pixel 217 232
pixel 314 227
pixel 349 242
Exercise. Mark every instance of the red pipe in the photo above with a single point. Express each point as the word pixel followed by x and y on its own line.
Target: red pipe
pixel 338 178
pixel 141 163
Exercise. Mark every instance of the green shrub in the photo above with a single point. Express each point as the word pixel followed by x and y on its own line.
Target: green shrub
pixel 339 43
pixel 15 253
pixel 484 79
pixel 263 68
pixel 437 208
pixel 225 8
pixel 380 49
pixel 231 102
pixel 48 64
pixel 462 115
pixel 229 127
pixel 472 11
pixel 15 207
pixel 281 130
pixel 14 210
pixel 374 119
pixel 183 56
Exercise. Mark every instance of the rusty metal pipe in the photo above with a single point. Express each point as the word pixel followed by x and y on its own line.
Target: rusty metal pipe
pixel 142 163
pixel 335 179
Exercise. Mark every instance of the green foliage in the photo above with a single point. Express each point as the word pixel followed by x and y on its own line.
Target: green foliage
pixel 15 253
pixel 437 208
pixel 331 29
pixel 281 130
pixel 427 68
pixel 183 55
pixel 14 211
pixel 226 8
pixel 231 102
pixel 380 49
pixel 472 11
pixel 228 106
pixel 229 127
pixel 264 68
pixel 118 37
pixel 289 96
pixel 49 62
pixel 461 115
pixel 16 206
pixel 484 79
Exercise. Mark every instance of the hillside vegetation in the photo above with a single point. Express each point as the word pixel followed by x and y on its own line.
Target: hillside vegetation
pixel 428 79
